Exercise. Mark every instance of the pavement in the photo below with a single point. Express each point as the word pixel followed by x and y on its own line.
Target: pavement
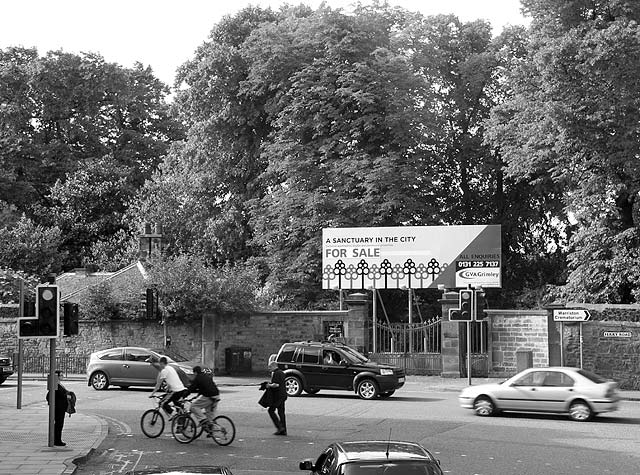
pixel 24 446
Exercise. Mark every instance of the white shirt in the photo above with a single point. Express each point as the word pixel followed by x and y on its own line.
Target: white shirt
pixel 170 375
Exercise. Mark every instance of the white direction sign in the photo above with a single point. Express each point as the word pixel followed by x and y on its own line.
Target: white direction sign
pixel 570 315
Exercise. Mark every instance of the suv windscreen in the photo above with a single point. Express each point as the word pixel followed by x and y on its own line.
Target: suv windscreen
pixel 354 355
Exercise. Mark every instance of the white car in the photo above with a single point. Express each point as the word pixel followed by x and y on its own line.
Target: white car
pixel 573 391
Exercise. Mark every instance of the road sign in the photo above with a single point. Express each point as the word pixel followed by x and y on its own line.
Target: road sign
pixel 612 334
pixel 570 315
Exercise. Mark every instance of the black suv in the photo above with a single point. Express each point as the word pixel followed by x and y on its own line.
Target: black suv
pixel 313 366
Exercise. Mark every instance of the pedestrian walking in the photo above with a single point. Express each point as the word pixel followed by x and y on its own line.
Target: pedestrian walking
pixel 60 410
pixel 279 393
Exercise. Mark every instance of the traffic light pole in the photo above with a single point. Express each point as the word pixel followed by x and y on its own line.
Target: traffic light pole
pixel 52 389
pixel 20 349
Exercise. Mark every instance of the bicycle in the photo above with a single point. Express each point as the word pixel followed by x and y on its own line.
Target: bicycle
pixel 185 429
pixel 152 421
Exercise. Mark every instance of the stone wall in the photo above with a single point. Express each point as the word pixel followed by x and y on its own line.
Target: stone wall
pixel 94 336
pixel 609 356
pixel 263 333
pixel 511 331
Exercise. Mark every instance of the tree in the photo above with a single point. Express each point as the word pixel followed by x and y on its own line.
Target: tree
pixel 31 248
pixel 68 122
pixel 188 288
pixel 571 125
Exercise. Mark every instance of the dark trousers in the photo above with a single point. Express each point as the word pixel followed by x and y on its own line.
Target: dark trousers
pixel 280 421
pixel 58 424
pixel 173 398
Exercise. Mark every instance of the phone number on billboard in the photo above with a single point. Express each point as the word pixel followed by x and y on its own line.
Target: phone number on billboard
pixel 471 264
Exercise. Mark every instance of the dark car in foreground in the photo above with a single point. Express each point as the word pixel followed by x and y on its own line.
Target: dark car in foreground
pixel 130 366
pixel 6 369
pixel 374 458
pixel 579 393
pixel 312 366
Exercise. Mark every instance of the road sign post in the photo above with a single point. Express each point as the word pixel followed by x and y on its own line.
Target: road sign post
pixel 573 315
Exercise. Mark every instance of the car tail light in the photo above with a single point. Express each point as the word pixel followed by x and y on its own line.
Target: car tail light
pixel 611 391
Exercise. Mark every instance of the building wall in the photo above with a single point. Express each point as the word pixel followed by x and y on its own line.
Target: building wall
pixel 511 331
pixel 612 357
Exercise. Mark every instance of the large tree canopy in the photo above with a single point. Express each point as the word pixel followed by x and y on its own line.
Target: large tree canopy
pixel 78 137
pixel 303 119
pixel 572 123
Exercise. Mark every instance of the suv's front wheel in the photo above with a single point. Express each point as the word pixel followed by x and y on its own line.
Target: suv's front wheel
pixel 293 385
pixel 367 389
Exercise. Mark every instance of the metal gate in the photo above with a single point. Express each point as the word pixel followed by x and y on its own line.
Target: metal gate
pixel 415 347
pixel 479 355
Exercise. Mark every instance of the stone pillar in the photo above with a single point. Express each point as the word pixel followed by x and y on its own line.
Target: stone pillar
pixel 209 343
pixel 356 328
pixel 450 338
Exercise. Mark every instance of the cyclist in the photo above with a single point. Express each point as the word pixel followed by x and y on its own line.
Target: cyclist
pixel 175 388
pixel 205 404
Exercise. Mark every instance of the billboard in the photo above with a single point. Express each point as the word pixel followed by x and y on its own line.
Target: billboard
pixel 415 257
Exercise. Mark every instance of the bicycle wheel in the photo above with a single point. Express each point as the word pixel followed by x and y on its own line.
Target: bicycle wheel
pixel 183 428
pixel 223 430
pixel 152 423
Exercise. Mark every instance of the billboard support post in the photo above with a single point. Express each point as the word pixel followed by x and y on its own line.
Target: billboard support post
pixel 469 352
pixel 375 321
pixel 410 320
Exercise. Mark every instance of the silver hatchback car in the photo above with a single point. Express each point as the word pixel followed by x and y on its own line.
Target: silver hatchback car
pixel 574 391
pixel 129 366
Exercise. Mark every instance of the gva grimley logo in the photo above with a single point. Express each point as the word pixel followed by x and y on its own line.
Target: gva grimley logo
pixel 475 274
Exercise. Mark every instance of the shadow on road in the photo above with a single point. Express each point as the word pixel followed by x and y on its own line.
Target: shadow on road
pixel 563 417
pixel 379 400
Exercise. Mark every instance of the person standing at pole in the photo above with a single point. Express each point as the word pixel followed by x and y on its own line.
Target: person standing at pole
pixel 61 402
pixel 279 397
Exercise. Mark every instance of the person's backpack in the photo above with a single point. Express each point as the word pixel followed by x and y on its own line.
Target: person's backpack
pixel 186 382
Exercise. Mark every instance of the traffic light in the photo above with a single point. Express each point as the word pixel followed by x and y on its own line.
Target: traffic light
pixel 48 308
pixel 466 304
pixel 151 303
pixel 70 316
pixel 481 306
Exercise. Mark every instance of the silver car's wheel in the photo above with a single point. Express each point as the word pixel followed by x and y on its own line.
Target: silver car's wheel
pixel 367 389
pixel 99 381
pixel 580 411
pixel 293 385
pixel 483 406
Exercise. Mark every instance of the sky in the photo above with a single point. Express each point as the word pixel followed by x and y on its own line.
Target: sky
pixel 164 34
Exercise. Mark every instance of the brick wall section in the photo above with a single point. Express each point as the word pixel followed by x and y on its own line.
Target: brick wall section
pixel 613 358
pixel 516 330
